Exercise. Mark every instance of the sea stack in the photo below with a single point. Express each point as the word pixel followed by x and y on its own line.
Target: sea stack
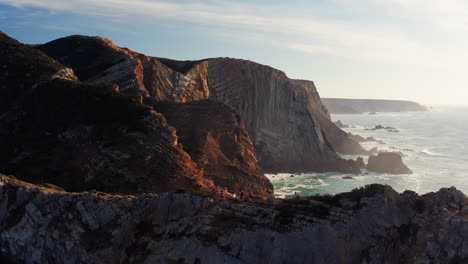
pixel 388 162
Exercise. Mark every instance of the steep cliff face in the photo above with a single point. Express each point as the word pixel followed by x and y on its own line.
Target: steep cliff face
pixel 289 126
pixel 371 225
pixel 84 136
pixel 213 135
pixel 285 118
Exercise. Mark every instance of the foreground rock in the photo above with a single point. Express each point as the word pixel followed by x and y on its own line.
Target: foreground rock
pixel 388 162
pixel 370 225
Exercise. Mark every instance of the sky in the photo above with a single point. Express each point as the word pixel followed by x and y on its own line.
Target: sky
pixel 378 49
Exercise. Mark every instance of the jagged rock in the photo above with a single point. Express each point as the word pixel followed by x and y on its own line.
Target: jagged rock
pixel 369 225
pixel 388 162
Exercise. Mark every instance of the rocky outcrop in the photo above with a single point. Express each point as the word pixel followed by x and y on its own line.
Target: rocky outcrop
pixel 284 118
pixel 98 60
pixel 84 136
pixel 369 225
pixel 388 162
pixel 213 135
pixel 359 106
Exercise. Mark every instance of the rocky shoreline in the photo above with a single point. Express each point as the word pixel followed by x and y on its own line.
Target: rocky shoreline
pixel 373 224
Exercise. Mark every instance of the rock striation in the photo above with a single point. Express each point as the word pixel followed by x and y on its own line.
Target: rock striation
pixel 290 128
pixel 371 106
pixel 373 224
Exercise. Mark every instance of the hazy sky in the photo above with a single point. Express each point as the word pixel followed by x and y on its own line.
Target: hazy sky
pixel 389 49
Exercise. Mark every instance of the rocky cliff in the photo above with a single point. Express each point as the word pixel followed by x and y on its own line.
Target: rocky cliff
pixel 213 135
pixel 84 136
pixel 359 106
pixel 370 225
pixel 290 128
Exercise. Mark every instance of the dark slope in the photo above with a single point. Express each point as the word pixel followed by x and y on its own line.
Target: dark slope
pixel 83 136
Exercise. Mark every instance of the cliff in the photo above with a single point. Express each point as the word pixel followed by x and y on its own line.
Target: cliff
pixel 214 136
pixel 289 127
pixel 83 136
pixel 370 225
pixel 359 106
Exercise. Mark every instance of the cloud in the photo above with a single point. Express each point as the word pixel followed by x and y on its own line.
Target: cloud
pixel 291 30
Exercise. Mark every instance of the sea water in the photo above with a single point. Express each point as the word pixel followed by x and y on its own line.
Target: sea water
pixel 434 144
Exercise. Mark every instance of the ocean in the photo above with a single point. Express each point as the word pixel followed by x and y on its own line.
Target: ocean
pixel 435 145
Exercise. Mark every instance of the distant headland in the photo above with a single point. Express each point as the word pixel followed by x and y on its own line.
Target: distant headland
pixel 359 106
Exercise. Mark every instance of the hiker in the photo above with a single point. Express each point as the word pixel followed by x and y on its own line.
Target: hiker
pixel 242 195
pixel 234 196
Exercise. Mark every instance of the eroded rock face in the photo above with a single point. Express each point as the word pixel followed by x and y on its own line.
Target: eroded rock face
pixel 213 135
pixel 388 162
pixel 371 225
pixel 285 118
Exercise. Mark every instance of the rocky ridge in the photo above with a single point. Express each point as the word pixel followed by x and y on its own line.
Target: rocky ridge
pixel 290 128
pixel 370 225
pixel 91 135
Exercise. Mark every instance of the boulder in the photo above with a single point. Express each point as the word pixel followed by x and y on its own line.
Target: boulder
pixel 388 162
